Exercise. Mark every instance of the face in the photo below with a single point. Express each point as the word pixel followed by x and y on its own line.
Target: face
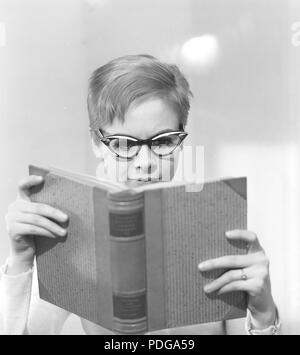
pixel 143 120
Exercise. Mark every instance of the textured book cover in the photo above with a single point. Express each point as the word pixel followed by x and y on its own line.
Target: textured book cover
pixel 129 261
pixel 183 230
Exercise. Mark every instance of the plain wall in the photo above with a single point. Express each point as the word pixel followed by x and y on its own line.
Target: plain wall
pixel 43 117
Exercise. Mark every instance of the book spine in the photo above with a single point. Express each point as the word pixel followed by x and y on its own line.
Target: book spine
pixel 128 263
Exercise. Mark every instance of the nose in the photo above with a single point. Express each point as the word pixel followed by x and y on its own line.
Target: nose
pixel 145 160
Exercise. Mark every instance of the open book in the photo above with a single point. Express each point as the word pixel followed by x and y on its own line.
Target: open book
pixel 130 259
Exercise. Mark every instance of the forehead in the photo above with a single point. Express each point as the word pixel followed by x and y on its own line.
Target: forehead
pixel 145 119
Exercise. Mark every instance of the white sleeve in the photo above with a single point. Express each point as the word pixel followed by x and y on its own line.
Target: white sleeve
pixel 15 296
pixel 22 312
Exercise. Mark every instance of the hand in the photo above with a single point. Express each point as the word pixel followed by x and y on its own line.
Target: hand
pixel 255 267
pixel 26 220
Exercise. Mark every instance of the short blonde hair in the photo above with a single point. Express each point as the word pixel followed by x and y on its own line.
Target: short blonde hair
pixel 116 85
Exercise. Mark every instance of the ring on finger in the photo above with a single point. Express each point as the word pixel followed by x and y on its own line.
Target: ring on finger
pixel 244 276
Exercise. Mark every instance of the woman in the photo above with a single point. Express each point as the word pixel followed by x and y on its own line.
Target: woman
pixel 140 97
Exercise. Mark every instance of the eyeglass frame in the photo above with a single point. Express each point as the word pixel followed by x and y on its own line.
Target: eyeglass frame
pixel 141 142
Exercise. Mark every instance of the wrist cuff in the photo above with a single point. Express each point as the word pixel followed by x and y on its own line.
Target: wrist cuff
pixel 274 329
pixel 3 272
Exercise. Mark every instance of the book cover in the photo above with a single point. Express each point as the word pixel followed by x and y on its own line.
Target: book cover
pixel 130 259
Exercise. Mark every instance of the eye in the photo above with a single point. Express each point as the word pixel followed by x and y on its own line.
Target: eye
pixel 169 141
pixel 121 144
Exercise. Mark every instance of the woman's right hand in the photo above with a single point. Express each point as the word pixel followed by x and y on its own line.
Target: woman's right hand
pixel 25 221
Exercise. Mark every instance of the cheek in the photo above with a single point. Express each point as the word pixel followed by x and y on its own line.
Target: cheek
pixel 167 167
pixel 115 170
pixel 176 159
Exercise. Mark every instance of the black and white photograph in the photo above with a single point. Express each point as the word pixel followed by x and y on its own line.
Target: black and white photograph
pixel 150 168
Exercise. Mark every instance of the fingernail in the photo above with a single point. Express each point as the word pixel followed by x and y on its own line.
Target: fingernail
pixel 201 266
pixel 62 232
pixel 207 289
pixel 63 216
pixel 229 233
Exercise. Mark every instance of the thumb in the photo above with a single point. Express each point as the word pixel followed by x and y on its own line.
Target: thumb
pixel 26 184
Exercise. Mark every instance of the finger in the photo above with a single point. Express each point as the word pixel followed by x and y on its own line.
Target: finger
pixel 247 236
pixel 26 184
pixel 226 278
pixel 229 262
pixel 43 210
pixel 40 221
pixel 20 229
pixel 245 286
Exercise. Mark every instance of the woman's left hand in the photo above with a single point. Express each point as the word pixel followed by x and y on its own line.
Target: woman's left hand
pixel 249 273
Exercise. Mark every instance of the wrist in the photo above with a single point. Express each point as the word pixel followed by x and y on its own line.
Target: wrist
pixel 262 320
pixel 17 264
